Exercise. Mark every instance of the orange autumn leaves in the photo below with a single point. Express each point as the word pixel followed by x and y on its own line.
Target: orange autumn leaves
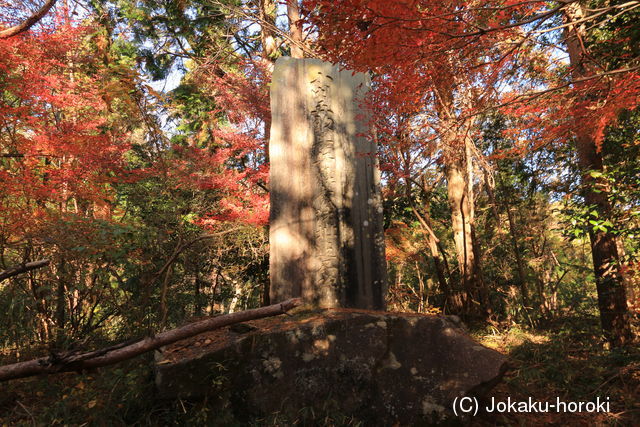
pixel 58 148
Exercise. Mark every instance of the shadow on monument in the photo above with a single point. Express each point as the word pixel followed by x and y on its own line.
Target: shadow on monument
pixel 327 246
pixel 326 240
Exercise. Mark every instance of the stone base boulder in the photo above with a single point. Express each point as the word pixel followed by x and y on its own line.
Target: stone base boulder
pixel 375 367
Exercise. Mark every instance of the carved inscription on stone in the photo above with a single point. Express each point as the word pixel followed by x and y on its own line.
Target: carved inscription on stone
pixel 326 237
pixel 323 156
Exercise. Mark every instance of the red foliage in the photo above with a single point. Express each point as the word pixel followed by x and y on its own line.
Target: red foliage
pixel 233 163
pixel 414 47
pixel 56 145
pixel 432 72
pixel 587 106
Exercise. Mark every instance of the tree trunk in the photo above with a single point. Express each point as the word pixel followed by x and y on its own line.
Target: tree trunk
pixel 267 31
pixel 612 300
pixel 461 218
pixel 295 31
pixel 197 304
pixel 61 302
pixel 451 303
pixel 29 22
pixel 518 254
pixel 23 268
pixel 458 158
pixel 269 55
pixel 238 290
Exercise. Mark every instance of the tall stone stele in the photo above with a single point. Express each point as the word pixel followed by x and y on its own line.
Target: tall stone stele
pixel 326 231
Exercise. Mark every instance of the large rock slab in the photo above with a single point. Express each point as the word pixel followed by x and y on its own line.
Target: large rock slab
pixel 379 368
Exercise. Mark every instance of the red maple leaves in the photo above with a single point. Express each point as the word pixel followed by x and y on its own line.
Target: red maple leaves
pixel 57 147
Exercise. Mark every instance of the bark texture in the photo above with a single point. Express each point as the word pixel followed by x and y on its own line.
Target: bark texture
pixel 267 30
pixel 295 29
pixel 612 300
pixel 458 161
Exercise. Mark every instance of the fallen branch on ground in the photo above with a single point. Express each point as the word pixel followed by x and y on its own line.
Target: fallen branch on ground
pixel 73 361
pixel 14 271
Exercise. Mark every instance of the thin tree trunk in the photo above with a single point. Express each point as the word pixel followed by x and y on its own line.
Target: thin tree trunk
pixel 422 294
pixel 451 303
pixel 14 271
pixel 267 31
pixel 39 297
pixel 516 250
pixel 60 302
pixel 197 306
pixel 476 271
pixel 425 222
pixel 237 295
pixel 269 54
pixel 266 291
pixel 612 300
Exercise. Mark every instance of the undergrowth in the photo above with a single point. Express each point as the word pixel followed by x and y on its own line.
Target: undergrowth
pixel 564 359
pixel 567 359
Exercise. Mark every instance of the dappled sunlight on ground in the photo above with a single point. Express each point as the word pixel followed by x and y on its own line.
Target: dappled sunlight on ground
pixel 514 337
pixel 566 360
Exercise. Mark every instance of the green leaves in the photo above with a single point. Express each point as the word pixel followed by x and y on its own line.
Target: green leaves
pixel 582 220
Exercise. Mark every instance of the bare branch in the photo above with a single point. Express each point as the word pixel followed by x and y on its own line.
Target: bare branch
pixel 29 22
pixel 72 361
pixel 14 271
pixel 629 6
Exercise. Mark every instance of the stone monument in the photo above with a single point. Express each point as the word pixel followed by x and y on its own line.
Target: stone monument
pixel 326 232
pixel 327 246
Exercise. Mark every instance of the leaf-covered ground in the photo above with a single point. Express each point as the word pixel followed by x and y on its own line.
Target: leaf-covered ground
pixel 565 359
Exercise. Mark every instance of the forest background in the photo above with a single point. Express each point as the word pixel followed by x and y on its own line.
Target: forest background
pixel 134 159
